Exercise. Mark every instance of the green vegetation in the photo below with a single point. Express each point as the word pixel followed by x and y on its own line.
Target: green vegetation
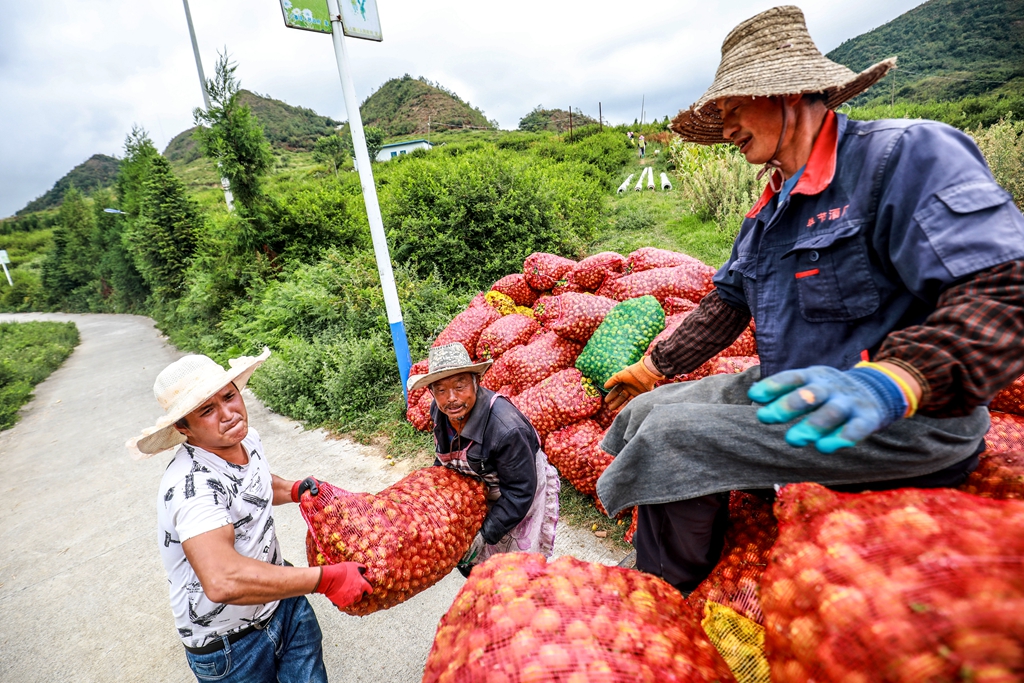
pixel 555 120
pixel 98 171
pixel 29 352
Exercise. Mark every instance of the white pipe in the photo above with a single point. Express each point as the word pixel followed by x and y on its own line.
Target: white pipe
pixel 650 178
pixel 640 181
pixel 625 185
pixel 665 183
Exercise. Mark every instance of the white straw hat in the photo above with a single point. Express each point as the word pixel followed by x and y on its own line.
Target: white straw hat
pixel 445 361
pixel 767 55
pixel 183 386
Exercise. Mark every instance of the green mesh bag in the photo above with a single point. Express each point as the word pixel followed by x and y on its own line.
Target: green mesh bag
pixel 621 339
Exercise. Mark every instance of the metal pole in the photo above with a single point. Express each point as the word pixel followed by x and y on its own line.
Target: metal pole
pixel 570 123
pixel 7 274
pixel 600 117
pixel 380 243
pixel 224 182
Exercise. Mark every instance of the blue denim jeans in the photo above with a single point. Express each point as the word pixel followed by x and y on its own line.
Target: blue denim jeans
pixel 288 650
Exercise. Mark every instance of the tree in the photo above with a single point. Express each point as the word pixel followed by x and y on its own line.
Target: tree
pixel 120 285
pixel 331 149
pixel 68 268
pixel 374 141
pixel 234 137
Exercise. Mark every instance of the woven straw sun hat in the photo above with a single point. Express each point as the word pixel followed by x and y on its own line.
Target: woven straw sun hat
pixel 183 386
pixel 445 361
pixel 767 55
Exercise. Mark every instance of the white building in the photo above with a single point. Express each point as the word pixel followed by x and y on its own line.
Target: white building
pixel 395 149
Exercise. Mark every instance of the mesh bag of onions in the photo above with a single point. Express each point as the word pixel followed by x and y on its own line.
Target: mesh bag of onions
pixel 562 398
pixel 525 366
pixel 466 327
pixel 521 619
pixel 692 281
pixel 646 258
pixel 515 286
pixel 573 316
pixel 621 339
pixel 543 271
pixel 410 535
pixel 998 475
pixel 505 333
pixel 735 580
pixel 1010 399
pixel 739 640
pixel 591 272
pixel 904 586
pixel 1005 434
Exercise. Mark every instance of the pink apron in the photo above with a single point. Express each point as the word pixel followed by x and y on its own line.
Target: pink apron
pixel 536 532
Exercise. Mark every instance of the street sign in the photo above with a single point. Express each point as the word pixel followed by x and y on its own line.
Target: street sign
pixel 4 258
pixel 307 15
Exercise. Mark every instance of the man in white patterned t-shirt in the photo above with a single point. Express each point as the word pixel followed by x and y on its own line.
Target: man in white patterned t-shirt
pixel 240 611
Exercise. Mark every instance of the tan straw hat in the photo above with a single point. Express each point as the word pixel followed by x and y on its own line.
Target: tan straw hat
pixel 445 361
pixel 183 386
pixel 772 54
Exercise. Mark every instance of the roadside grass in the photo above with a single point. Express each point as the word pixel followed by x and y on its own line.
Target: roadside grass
pixel 29 352
pixel 578 510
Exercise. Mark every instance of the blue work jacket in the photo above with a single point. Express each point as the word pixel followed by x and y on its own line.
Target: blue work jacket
pixel 886 216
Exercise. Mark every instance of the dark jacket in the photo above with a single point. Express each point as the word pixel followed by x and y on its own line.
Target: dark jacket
pixel 504 443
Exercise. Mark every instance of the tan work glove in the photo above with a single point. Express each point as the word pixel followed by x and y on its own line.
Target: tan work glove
pixel 631 381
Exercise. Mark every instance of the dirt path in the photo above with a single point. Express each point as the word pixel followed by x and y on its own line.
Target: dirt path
pixel 83 596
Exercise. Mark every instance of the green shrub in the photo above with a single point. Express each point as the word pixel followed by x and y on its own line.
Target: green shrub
pixel 717 181
pixel 305 219
pixel 633 217
pixel 29 352
pixel 1003 147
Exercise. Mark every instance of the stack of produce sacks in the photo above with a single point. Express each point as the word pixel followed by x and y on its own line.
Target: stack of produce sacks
pixel 904 586
pixel 589 319
pixel 999 475
pixel 520 618
pixel 1007 430
pixel 410 535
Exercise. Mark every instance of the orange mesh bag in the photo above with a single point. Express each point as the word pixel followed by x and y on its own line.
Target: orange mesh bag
pixel 902 586
pixel 674 305
pixel 999 476
pixel 573 316
pixel 466 327
pixel 410 535
pixel 497 376
pixel 545 355
pixel 692 281
pixel 516 287
pixel 591 272
pixel 563 398
pixel 648 258
pixel 721 365
pixel 543 271
pixel 631 531
pixel 1005 434
pixel 565 287
pixel 605 416
pixel 1010 399
pixel 414 413
pixel 735 580
pixel 745 345
pixel 568 450
pixel 521 619
pixel 505 333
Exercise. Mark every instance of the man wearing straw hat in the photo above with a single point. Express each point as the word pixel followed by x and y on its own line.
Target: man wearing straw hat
pixel 883 268
pixel 240 610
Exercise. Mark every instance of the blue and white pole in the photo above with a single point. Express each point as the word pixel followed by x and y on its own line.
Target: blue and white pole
pixel 380 243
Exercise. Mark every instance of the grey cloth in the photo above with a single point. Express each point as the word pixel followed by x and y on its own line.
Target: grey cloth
pixel 692 439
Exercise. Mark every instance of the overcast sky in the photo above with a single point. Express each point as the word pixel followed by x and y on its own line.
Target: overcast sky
pixel 75 75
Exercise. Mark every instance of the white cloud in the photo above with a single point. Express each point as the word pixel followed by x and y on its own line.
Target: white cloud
pixel 75 76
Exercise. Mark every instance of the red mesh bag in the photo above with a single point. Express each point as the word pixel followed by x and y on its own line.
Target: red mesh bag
pixel 999 476
pixel 648 258
pixel 568 449
pixel 605 416
pixel 720 365
pixel 503 334
pixel 563 398
pixel 675 304
pixel 415 412
pixel 564 287
pixel 479 300
pixel 1005 434
pixel 745 345
pixel 573 316
pixel 903 586
pixel 671 323
pixel 466 327
pixel 735 580
pixel 498 376
pixel 692 281
pixel 545 355
pixel 543 271
pixel 410 535
pixel 1010 399
pixel 516 287
pixel 631 531
pixel 590 273
pixel 521 619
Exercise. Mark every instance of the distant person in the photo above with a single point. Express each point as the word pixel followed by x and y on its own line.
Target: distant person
pixel 629 136
pixel 643 146
pixel 241 612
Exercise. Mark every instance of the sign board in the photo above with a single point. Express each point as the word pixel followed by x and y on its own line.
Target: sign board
pixel 4 258
pixel 359 18
pixel 307 15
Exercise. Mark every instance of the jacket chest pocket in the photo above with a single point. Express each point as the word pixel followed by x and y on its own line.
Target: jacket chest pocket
pixel 833 276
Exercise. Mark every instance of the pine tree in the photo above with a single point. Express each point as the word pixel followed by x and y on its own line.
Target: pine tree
pixel 69 267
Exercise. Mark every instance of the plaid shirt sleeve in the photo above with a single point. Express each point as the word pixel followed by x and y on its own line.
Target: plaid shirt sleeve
pixel 970 347
pixel 709 329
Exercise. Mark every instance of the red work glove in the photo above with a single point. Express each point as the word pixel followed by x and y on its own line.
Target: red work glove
pixel 308 484
pixel 343 583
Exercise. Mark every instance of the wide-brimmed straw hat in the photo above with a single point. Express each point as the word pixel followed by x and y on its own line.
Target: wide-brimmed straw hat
pixel 767 55
pixel 183 386
pixel 445 361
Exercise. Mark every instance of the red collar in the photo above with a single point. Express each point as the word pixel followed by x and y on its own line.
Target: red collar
pixel 821 165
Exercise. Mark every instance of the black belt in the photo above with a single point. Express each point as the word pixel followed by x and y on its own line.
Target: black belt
pixel 218 644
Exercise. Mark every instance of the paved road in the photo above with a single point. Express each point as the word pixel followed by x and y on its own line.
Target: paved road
pixel 83 596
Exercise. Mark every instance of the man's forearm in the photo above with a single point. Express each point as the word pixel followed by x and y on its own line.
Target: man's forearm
pixel 709 329
pixel 282 489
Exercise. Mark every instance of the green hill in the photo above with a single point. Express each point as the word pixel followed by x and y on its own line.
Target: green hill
pixel 407 106
pixel 285 126
pixel 946 49
pixel 97 171
pixel 556 120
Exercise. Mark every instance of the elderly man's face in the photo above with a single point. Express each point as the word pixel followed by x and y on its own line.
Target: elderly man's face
pixel 753 124
pixel 455 395
pixel 220 422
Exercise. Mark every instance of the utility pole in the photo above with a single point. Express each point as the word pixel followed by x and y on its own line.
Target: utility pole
pixel 570 123
pixel 643 101
pixel 224 182
pixel 600 117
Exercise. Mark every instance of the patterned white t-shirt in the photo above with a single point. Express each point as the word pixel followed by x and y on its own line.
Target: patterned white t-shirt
pixel 201 492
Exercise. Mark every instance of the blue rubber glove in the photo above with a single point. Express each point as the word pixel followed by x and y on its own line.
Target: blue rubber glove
pixel 842 407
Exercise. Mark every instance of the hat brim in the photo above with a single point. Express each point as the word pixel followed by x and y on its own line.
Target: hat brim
pixel 421 381
pixel 702 124
pixel 163 434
